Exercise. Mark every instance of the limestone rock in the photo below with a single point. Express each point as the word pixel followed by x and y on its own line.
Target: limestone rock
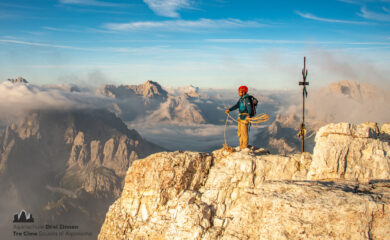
pixel 28 127
pixel 385 130
pixel 350 151
pixel 150 187
pixel 102 182
pixel 251 194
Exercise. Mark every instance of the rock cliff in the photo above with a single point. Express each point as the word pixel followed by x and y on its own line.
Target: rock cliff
pixel 66 165
pixel 342 191
pixel 349 151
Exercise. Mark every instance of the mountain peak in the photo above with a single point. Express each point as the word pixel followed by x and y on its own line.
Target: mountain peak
pixel 18 80
pixel 348 88
pixel 359 92
pixel 149 89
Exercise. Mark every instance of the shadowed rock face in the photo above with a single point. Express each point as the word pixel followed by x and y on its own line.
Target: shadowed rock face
pixel 254 195
pixel 67 165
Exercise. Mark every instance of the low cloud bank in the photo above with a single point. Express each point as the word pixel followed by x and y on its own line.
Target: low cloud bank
pixel 18 99
pixel 359 103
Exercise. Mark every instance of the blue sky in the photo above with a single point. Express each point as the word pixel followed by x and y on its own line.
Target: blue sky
pixel 214 43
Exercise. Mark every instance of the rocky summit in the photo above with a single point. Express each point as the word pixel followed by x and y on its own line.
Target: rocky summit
pixel 341 191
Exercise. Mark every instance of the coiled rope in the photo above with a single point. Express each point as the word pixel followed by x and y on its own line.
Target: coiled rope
pixel 254 121
pixel 260 118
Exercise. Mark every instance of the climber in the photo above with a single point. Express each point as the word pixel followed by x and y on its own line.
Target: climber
pixel 244 105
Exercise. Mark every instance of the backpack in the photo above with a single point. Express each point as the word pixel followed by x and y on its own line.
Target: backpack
pixel 254 103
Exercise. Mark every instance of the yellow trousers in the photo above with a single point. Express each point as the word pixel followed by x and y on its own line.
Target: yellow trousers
pixel 243 133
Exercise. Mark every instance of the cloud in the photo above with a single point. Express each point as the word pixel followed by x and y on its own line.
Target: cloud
pixel 167 8
pixel 91 3
pixel 337 66
pixel 350 1
pixel 8 15
pixel 73 9
pixel 362 1
pixel 328 106
pixel 18 99
pixel 10 5
pixel 44 45
pixel 93 30
pixel 365 13
pixel 248 40
pixel 135 50
pixel 60 29
pixel 183 25
pixel 329 20
pixel 284 41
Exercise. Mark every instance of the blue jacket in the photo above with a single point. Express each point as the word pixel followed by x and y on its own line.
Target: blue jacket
pixel 244 106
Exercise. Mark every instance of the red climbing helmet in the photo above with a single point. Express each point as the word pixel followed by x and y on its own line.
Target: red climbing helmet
pixel 243 89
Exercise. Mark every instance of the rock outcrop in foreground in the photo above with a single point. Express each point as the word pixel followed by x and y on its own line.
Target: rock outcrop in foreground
pixel 342 191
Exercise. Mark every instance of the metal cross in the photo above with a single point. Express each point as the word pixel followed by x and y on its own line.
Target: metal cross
pixel 304 95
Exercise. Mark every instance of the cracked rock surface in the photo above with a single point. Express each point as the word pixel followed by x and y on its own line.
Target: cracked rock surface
pixel 251 194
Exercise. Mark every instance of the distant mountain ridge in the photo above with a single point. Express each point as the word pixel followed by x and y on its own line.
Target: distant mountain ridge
pixel 149 89
pixel 149 101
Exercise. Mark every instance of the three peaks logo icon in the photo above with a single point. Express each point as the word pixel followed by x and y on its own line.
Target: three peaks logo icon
pixel 23 217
